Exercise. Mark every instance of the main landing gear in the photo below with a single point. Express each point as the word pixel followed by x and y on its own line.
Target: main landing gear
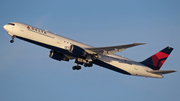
pixel 88 64
pixel 81 62
pixel 76 67
pixel 12 39
pixel 79 67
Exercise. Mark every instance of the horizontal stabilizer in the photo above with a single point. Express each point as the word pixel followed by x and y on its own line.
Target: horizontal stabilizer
pixel 162 71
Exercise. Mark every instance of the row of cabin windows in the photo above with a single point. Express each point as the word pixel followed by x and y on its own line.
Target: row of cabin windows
pixel 67 42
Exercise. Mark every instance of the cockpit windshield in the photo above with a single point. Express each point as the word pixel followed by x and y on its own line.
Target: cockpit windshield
pixel 11 24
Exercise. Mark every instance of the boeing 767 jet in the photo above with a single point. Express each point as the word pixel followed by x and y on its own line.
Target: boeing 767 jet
pixel 65 49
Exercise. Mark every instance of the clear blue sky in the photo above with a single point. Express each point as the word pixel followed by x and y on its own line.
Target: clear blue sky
pixel 28 74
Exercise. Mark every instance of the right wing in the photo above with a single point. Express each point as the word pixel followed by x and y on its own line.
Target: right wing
pixel 111 49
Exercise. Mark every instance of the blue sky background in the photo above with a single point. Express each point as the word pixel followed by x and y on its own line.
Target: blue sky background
pixel 28 74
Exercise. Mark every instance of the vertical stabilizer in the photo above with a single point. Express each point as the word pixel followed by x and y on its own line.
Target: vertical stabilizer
pixel 157 60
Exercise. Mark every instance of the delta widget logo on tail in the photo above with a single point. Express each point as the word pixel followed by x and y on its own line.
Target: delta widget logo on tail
pixel 156 61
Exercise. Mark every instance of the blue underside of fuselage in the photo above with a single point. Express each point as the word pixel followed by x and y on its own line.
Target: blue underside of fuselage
pixel 108 66
pixel 97 62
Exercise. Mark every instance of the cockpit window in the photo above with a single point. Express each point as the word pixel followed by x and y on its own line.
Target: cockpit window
pixel 11 24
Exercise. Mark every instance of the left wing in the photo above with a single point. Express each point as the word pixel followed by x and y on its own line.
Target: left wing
pixel 111 49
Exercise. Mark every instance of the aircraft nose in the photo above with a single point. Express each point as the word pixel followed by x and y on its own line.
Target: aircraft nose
pixel 5 27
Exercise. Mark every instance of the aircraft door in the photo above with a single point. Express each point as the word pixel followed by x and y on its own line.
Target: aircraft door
pixel 58 40
pixel 21 28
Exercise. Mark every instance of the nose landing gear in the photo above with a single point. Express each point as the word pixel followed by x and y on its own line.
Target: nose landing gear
pixel 12 39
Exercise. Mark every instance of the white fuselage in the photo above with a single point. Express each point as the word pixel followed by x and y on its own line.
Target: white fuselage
pixel 49 40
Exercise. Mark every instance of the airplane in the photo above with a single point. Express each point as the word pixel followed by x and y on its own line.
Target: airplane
pixel 65 49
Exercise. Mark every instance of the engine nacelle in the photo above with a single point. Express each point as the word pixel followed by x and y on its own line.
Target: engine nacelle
pixel 78 51
pixel 57 56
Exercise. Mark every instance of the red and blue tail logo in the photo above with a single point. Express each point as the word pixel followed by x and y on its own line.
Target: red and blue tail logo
pixel 157 60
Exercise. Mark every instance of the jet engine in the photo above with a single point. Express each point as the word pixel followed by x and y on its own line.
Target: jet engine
pixel 78 51
pixel 57 56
